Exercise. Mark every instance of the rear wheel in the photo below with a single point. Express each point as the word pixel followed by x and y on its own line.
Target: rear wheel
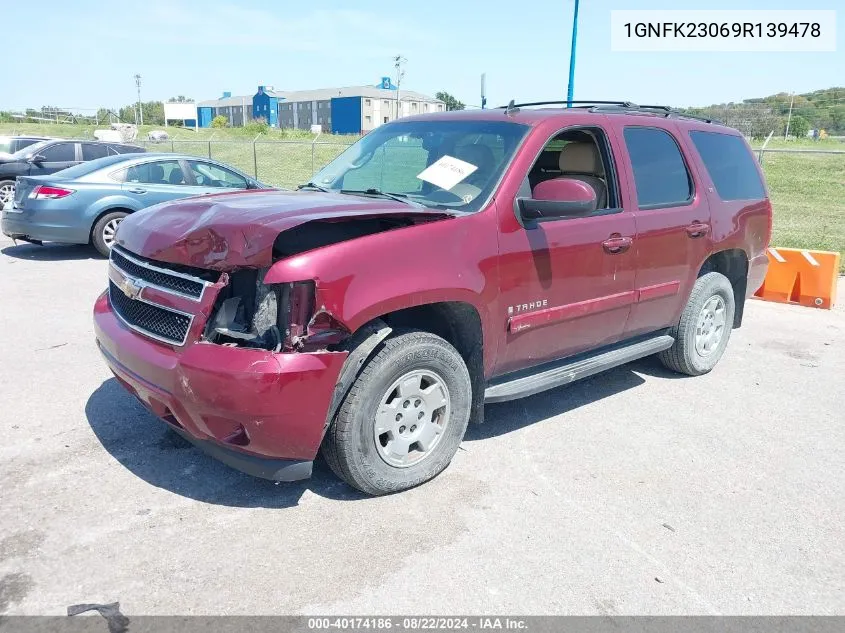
pixel 7 192
pixel 404 417
pixel 704 329
pixel 105 230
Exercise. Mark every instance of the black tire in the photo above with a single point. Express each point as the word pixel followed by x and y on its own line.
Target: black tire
pixel 683 356
pixel 97 237
pixel 349 446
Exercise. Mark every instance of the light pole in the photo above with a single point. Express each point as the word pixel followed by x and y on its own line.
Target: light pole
pixel 399 60
pixel 789 117
pixel 140 109
pixel 571 87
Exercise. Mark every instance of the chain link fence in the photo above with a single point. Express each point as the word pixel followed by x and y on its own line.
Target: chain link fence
pixel 278 163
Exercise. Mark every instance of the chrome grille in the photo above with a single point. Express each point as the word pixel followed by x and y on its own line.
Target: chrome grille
pixel 155 321
pixel 160 277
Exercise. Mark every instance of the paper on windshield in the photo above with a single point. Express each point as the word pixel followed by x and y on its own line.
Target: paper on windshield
pixel 446 172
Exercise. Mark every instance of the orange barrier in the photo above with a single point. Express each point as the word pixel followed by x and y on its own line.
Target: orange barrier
pixel 807 278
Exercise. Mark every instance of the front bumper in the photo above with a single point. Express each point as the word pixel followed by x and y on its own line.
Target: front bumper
pixel 260 412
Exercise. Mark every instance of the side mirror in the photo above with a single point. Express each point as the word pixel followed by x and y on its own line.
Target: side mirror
pixel 558 198
pixel 37 158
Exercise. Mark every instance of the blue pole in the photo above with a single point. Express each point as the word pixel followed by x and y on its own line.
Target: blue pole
pixel 572 56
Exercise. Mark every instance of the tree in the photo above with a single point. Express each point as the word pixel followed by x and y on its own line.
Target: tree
pixel 220 121
pixel 799 126
pixel 451 102
pixel 180 99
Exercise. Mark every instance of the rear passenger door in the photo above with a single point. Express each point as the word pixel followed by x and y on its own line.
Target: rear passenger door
pixel 154 181
pixel 672 222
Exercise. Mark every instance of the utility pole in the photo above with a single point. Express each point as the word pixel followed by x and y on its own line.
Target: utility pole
pixel 483 90
pixel 570 90
pixel 789 117
pixel 400 73
pixel 140 109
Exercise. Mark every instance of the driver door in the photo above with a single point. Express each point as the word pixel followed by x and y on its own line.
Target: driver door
pixel 206 177
pixel 55 158
pixel 567 284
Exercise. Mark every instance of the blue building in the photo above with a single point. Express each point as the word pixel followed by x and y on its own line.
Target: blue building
pixel 346 110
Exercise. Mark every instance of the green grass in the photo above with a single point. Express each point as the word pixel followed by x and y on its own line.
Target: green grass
pixel 808 190
pixel 808 197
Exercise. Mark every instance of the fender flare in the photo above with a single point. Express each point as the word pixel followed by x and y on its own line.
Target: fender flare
pixel 360 346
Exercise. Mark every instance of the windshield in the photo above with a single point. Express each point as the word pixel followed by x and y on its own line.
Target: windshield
pixel 452 164
pixel 30 150
pixel 5 144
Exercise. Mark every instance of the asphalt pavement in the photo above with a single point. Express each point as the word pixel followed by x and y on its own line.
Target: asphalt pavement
pixel 635 492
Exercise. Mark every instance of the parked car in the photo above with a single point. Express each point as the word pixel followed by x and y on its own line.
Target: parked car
pixel 494 255
pixel 86 203
pixel 11 144
pixel 50 156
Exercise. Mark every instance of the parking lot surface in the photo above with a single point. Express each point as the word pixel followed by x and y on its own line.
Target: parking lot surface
pixel 635 492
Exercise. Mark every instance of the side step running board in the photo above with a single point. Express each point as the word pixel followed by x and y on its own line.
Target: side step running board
pixel 571 369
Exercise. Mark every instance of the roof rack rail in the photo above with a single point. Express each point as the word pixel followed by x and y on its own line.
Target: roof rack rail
pixel 666 111
pixel 511 106
pixel 612 106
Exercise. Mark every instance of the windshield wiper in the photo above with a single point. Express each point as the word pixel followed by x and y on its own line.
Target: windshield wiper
pixel 312 185
pixel 378 193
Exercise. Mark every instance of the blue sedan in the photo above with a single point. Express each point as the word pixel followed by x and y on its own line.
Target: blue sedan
pixel 85 204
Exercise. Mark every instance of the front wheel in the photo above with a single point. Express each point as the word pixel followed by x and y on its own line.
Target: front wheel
pixel 404 417
pixel 105 230
pixel 704 329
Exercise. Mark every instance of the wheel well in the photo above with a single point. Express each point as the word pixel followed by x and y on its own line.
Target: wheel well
pixel 733 264
pixel 100 216
pixel 460 324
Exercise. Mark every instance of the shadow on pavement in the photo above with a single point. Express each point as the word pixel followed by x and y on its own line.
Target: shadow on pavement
pixel 51 252
pixel 506 417
pixel 146 447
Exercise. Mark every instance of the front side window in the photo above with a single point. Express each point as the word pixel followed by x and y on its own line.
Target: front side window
pixel 730 165
pixel 462 161
pixel 60 153
pixel 660 174
pixel 210 175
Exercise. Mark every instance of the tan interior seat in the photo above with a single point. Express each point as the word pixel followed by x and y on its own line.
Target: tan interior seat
pixel 582 161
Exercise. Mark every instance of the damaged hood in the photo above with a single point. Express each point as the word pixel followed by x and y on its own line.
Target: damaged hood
pixel 237 230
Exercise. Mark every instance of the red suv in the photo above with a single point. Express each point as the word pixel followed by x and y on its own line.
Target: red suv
pixel 441 262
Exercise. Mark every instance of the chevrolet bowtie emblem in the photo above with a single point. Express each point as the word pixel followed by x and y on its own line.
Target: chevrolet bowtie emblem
pixel 131 287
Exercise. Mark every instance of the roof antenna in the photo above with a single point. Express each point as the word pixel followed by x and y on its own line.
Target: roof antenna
pixel 511 109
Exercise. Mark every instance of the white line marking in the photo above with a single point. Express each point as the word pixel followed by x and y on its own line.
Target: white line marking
pixel 774 253
pixel 809 257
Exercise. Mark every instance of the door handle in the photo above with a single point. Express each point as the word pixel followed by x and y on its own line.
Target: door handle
pixel 617 244
pixel 137 190
pixel 698 229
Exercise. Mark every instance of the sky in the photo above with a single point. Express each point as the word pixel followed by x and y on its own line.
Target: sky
pixel 84 54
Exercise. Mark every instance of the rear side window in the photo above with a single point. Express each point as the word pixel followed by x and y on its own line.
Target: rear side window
pixel 660 174
pixel 730 165
pixel 90 151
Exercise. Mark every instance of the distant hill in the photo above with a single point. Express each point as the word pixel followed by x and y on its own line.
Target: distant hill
pixel 817 110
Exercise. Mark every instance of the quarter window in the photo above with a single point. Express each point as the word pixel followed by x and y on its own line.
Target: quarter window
pixel 660 174
pixel 730 165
